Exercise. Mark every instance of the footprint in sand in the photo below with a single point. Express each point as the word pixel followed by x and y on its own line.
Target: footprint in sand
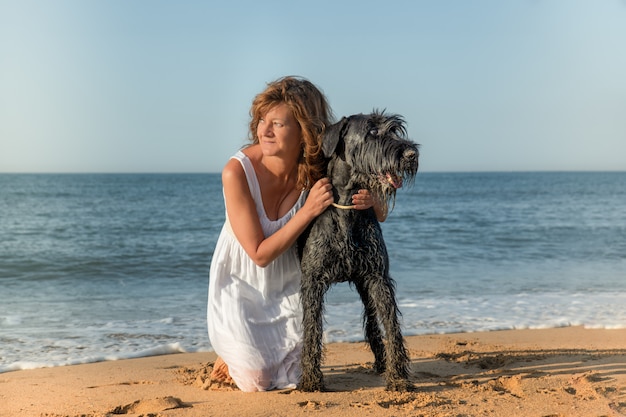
pixel 315 405
pixel 150 406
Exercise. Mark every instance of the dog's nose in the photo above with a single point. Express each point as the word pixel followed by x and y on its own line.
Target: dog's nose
pixel 409 154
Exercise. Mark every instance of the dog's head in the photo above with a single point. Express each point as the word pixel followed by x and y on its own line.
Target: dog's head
pixel 376 150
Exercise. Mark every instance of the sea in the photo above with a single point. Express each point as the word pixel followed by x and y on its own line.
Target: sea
pixel 99 267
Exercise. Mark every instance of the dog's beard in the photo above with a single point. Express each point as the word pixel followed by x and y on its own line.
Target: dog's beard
pixel 386 176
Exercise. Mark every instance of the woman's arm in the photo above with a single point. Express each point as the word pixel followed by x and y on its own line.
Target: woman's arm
pixel 245 222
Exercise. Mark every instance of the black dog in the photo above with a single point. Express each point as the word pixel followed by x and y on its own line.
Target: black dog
pixel 365 152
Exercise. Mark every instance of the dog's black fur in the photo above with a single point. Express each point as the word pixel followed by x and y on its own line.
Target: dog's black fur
pixel 364 152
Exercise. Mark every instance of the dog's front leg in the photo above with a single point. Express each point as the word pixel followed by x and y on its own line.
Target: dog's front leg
pixel 373 334
pixel 397 369
pixel 312 295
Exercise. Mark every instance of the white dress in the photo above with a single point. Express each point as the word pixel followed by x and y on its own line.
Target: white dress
pixel 254 314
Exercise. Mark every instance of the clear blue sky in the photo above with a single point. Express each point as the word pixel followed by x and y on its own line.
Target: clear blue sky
pixel 166 86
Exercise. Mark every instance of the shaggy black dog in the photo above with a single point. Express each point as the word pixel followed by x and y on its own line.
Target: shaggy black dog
pixel 364 151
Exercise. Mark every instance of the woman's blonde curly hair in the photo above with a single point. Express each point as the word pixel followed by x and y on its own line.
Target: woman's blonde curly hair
pixel 312 112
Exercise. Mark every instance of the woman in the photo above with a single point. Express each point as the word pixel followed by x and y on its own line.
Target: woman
pixel 273 189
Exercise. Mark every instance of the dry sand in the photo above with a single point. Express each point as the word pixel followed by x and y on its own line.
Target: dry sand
pixel 544 373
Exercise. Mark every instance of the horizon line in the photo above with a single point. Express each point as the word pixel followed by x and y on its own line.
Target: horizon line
pixel 521 171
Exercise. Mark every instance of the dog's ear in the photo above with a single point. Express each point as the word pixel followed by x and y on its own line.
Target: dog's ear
pixel 332 134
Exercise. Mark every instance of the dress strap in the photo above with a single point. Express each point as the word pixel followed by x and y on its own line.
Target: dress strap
pixel 253 181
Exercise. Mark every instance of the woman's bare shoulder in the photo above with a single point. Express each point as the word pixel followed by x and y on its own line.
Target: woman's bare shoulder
pixel 232 171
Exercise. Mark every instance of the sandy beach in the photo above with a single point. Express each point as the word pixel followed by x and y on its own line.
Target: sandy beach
pixel 545 373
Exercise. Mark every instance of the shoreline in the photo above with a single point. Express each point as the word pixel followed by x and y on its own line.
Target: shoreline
pixel 567 371
pixel 176 348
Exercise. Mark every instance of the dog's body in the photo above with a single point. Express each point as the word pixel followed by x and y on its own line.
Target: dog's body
pixel 365 152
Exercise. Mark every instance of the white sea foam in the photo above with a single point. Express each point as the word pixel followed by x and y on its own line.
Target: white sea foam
pixel 154 351
pixel 437 315
pixel 488 313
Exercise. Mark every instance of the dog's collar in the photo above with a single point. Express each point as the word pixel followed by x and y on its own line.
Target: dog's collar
pixel 339 206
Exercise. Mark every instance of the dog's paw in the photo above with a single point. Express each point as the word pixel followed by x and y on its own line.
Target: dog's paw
pixel 311 383
pixel 400 385
pixel 311 387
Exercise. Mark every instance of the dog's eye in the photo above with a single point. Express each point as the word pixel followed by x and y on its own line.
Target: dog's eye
pixel 374 131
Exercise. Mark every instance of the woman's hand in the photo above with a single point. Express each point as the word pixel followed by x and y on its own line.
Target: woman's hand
pixel 319 198
pixel 364 199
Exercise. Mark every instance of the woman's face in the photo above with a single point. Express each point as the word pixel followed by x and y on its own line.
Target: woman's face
pixel 279 133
